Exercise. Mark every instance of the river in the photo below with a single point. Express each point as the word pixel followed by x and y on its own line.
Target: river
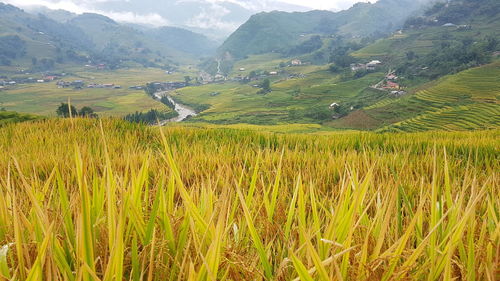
pixel 183 110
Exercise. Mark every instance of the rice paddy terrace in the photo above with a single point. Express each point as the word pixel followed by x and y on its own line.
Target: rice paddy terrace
pixel 469 100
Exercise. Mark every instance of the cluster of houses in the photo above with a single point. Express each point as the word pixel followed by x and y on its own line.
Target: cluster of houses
pixel 368 66
pixel 80 84
pixel 77 84
pixel 28 80
pixel 459 27
pixel 389 83
pixel 261 75
pixel 7 83
pixel 103 86
pixel 100 66
pixel 166 86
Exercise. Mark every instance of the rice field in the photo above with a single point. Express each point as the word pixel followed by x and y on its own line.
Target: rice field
pixel 110 200
pixel 468 100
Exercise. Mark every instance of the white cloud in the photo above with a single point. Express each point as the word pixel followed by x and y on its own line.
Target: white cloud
pixel 262 5
pixel 212 18
pixel 85 6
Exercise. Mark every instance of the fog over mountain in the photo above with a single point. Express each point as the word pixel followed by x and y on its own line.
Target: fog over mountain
pixel 217 18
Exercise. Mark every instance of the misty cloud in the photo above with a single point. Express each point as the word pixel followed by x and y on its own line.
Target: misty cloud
pixel 85 6
pixel 223 16
pixel 212 18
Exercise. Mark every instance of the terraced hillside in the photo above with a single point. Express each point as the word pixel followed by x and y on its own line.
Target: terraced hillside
pixel 469 100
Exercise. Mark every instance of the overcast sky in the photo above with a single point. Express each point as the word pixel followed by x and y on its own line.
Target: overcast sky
pixel 78 5
pixel 213 14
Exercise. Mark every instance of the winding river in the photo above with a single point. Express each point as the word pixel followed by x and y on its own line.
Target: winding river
pixel 183 110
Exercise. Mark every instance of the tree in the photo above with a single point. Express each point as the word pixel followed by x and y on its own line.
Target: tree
pixel 64 110
pixel 410 55
pixel 266 87
pixel 166 101
pixel 252 74
pixel 87 111
pixel 333 68
pixel 187 79
pixel 343 60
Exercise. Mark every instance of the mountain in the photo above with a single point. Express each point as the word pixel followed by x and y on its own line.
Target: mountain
pixel 216 19
pixel 447 58
pixel 185 40
pixel 37 41
pixel 42 41
pixel 446 38
pixel 276 31
pixel 115 41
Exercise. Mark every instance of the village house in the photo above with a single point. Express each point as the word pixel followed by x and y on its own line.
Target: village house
pixel 166 86
pixel 358 66
pixel 392 76
pixel 398 93
pixel 219 77
pixel 273 73
pixel 242 69
pixel 334 105
pixel 62 84
pixel 373 64
pixel 391 85
pixel 50 78
pixel 296 62
pixel 78 84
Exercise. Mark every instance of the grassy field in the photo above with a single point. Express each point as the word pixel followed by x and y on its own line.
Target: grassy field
pixel 44 98
pixel 80 200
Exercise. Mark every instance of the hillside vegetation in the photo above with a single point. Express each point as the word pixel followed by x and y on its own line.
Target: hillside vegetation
pixel 40 43
pixel 278 31
pixel 8 117
pixel 84 200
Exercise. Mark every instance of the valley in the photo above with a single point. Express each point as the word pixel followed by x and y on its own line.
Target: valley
pixel 249 140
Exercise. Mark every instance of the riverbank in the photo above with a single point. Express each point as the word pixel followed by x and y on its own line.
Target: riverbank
pixel 183 110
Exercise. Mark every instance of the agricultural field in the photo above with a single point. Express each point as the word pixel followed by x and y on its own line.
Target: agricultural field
pixel 393 49
pixel 292 100
pixel 44 98
pixel 469 100
pixel 109 200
